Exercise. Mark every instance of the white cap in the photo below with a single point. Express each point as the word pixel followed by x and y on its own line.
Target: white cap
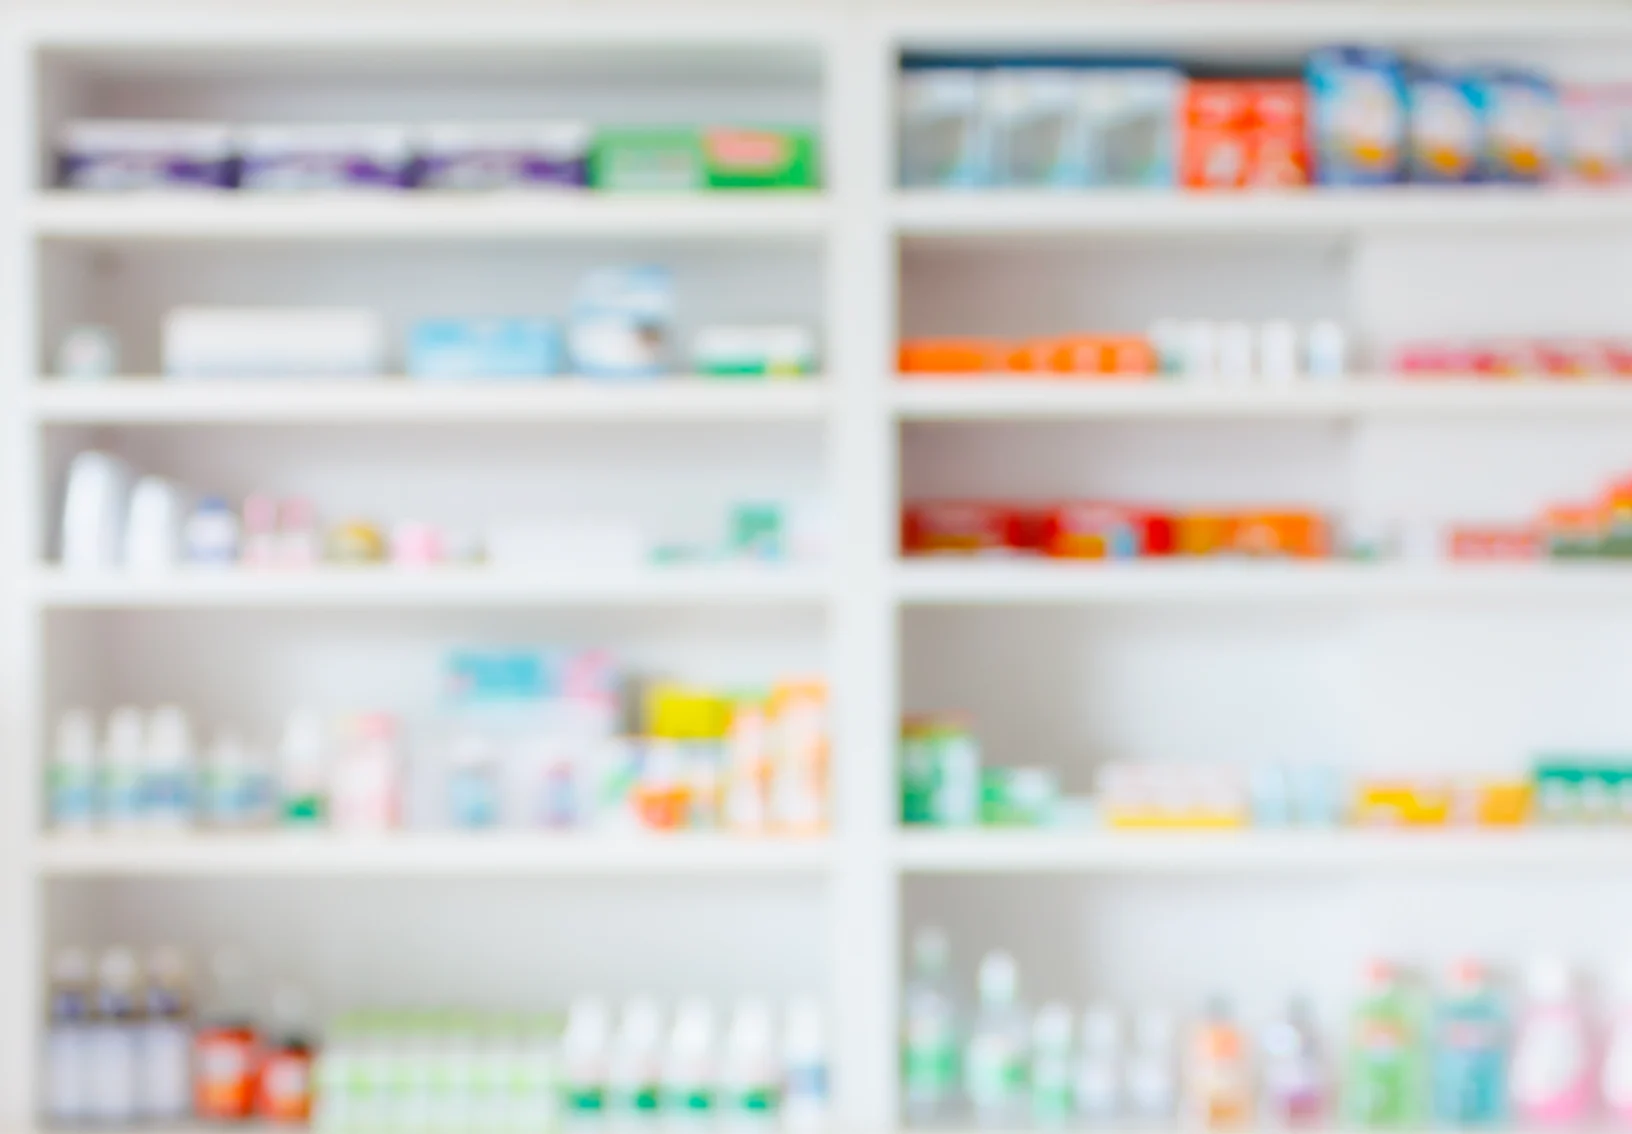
pixel 1101 1030
pixel 76 738
pixel 1155 1031
pixel 304 737
pixel 1052 1027
pixel 1548 980
pixel 169 737
pixel 693 1026
pixel 167 966
pixel 119 971
pixel 642 1022
pixel 589 1023
pixel 751 1027
pixel 999 979
pixel 126 730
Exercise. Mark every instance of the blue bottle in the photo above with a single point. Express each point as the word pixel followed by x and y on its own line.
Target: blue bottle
pixel 1470 1048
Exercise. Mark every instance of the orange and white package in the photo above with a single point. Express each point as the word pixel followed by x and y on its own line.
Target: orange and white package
pixel 800 757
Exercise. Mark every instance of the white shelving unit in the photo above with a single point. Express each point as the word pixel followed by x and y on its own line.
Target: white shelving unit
pixel 1397 665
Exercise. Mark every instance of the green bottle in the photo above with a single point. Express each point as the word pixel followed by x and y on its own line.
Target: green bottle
pixel 1384 1087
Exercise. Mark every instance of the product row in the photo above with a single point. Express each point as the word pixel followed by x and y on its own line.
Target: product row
pixel 1355 116
pixel 127 1047
pixel 622 325
pixel 1098 530
pixel 1464 1054
pixel 127 155
pixel 1277 352
pixel 1515 358
pixel 945 782
pixel 113 519
pixel 524 739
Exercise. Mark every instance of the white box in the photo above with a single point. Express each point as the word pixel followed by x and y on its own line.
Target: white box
pixel 273 342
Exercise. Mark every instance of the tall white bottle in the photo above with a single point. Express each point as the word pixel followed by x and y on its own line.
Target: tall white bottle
pixel 929 1039
pixel 806 1103
pixel 123 763
pixel 995 1061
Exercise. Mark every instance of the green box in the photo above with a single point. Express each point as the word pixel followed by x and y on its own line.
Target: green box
pixel 761 158
pixel 1018 797
pixel 647 161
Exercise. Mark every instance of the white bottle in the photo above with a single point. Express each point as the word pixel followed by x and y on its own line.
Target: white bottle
pixel 235 790
pixel 750 1072
pixel 806 1104
pixel 67 1101
pixel 169 770
pixel 1051 1070
pixel 634 1073
pixel 303 770
pixel 1236 364
pixel 165 1047
pixel 72 792
pixel 1328 351
pixel 123 760
pixel 93 512
pixel 113 1064
pixel 1099 1079
pixel 1616 1079
pixel 585 1046
pixel 929 1033
pixel 690 1075
pixel 995 1062
pixel 1152 1072
pixel 153 526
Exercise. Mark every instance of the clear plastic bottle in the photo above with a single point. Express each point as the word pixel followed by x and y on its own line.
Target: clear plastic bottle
pixel 67 1101
pixel 1100 1073
pixel 1051 1067
pixel 634 1074
pixel 585 1047
pixel 1552 1068
pixel 1294 1092
pixel 1152 1077
pixel 995 1061
pixel 1220 1071
pixel 1616 1079
pixel 169 770
pixel 690 1068
pixel 165 1050
pixel 805 1094
pixel 929 1047
pixel 120 795
pixel 72 791
pixel 114 1098
pixel 235 785
pixel 303 770
pixel 1470 1042
pixel 751 1072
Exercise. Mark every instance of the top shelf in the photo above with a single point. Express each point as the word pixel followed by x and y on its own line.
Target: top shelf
pixel 120 218
pixel 1001 214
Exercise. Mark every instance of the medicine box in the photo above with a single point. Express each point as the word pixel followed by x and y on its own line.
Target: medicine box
pixel 484 348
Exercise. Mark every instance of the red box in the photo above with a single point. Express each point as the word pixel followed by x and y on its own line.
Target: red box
pixel 1493 542
pixel 1216 150
pixel 1279 154
pixel 1097 530
pixel 970 527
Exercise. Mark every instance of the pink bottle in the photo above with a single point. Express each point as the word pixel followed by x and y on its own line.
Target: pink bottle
pixel 1552 1075
pixel 1616 1078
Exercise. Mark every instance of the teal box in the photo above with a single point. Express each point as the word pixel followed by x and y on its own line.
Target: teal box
pixel 484 349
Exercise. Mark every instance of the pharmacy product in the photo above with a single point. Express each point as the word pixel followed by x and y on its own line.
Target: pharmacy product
pixel 323 157
pixel 585 1051
pixel 1037 129
pixel 210 536
pixel 124 156
pixel 153 525
pixel 1217 145
pixel 741 157
pixel 779 351
pixel 165 1042
pixel 205 343
pixel 945 127
pixel 1552 1069
pixel 113 1057
pixel 1595 134
pixel 802 756
pixel 72 790
pixel 1446 135
pixel 66 1091
pixel 484 349
pixel 1469 1051
pixel 1326 351
pixel 641 160
pixel 634 1070
pixel 367 784
pixel 1219 1071
pixel 236 788
pixel 751 1069
pixel 1615 1081
pixel 303 769
pixel 1294 1092
pixel 1383 1086
pixel 283 1093
pixel 929 1041
pixel 622 320
pixel 1152 1081
pixel 691 1065
pixel 1103 1073
pixel 806 1090
pixel 88 353
pixel 1522 124
pixel 225 1044
pixel 1051 1067
pixel 169 791
pixel 940 773
pixel 1357 115
pixel 1130 121
pixel 93 512
pixel 467 157
pixel 994 1065
pixel 120 799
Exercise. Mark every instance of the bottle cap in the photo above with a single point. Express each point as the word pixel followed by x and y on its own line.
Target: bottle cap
pixel 169 737
pixel 751 1026
pixel 1548 980
pixel 694 1025
pixel 999 979
pixel 642 1022
pixel 125 735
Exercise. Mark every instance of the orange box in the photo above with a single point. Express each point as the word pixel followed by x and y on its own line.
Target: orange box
pixel 1216 150
pixel 951 356
pixel 1391 803
pixel 1294 535
pixel 1502 803
pixel 1279 154
pixel 1468 541
pixel 1201 533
